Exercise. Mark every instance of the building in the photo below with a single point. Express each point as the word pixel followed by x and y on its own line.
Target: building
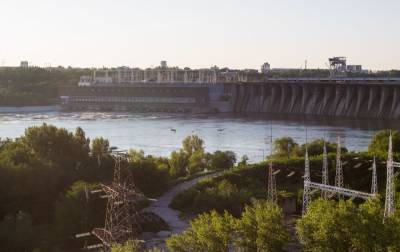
pixel 265 67
pixel 354 68
pixel 164 64
pixel 24 64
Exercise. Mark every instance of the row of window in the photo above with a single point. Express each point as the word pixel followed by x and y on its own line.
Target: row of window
pixel 135 99
pixel 147 90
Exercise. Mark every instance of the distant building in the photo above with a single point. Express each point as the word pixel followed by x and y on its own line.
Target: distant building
pixel 354 68
pixel 164 64
pixel 283 70
pixel 24 64
pixel 265 67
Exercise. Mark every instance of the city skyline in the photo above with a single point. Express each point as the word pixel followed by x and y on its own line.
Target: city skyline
pixel 199 35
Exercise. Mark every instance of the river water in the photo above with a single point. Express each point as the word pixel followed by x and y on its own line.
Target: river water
pixel 159 134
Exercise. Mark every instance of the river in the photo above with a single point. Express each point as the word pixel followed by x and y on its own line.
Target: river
pixel 159 134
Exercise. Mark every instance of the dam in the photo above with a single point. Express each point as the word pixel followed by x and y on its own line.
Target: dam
pixel 342 98
pixel 212 91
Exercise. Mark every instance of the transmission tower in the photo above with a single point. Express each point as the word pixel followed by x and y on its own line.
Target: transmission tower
pixel 272 195
pixel 390 187
pixel 307 181
pixel 374 187
pixel 325 175
pixel 122 222
pixel 339 168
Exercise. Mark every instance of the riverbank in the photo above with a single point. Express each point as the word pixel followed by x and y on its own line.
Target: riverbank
pixel 30 109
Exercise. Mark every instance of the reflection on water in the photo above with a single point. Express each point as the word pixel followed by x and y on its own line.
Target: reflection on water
pixel 245 135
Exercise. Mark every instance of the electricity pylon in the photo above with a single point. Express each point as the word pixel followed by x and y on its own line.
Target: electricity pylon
pixel 325 174
pixel 311 187
pixel 307 180
pixel 390 187
pixel 374 186
pixel 122 222
pixel 339 168
pixel 272 195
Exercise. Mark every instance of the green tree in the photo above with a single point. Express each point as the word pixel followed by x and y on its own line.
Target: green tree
pixel 192 144
pixel 327 226
pixel 243 161
pixel 374 234
pixel 56 145
pixel 197 162
pixel 261 228
pixel 100 146
pixel 316 147
pixel 149 173
pixel 222 160
pixel 208 232
pixel 80 137
pixel 284 146
pixel 129 246
pixel 76 212
pixel 380 142
pixel 344 226
pixel 178 163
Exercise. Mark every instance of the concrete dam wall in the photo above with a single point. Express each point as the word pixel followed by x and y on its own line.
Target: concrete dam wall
pixel 361 100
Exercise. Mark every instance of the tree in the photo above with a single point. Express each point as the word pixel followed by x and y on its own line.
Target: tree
pixel 284 146
pixel 129 246
pixel 192 144
pixel 222 160
pixel 80 137
pixel 100 146
pixel 375 235
pixel 197 162
pixel 150 174
pixel 344 226
pixel 316 147
pixel 261 228
pixel 243 161
pixel 178 163
pixel 380 142
pixel 76 212
pixel 208 232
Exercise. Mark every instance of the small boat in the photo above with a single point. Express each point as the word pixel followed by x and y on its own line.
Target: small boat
pixel 220 130
pixel 173 130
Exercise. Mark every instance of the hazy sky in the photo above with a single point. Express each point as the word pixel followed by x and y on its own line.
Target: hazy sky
pixel 201 33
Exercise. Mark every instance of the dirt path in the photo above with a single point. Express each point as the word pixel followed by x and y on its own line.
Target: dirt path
pixel 171 216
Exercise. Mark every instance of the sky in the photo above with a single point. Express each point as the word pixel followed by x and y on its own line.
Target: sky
pixel 203 33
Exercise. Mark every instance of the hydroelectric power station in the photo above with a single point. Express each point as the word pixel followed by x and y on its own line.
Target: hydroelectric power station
pixel 216 90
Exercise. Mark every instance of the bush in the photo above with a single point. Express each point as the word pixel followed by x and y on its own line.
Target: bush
pixel 222 160
pixel 208 232
pixel 260 228
pixel 343 226
pixel 380 142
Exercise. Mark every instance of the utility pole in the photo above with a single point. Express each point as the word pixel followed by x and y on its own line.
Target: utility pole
pixel 339 168
pixel 325 172
pixel 374 187
pixel 307 180
pixel 272 195
pixel 390 187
